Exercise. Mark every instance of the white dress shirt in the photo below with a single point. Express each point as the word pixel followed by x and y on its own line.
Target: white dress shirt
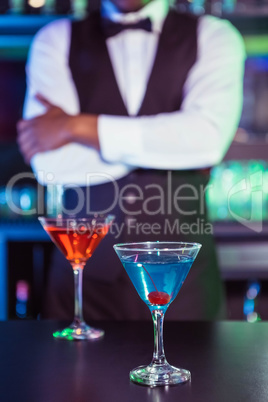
pixel 197 136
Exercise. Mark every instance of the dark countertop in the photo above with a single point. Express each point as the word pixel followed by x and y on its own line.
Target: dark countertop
pixel 228 362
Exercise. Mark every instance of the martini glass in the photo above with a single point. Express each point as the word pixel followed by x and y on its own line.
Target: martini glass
pixel 77 239
pixel 158 270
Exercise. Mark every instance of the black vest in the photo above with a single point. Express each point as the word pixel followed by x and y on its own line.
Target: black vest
pixel 94 78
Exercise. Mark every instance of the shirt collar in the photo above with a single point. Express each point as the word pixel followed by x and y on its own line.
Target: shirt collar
pixel 156 10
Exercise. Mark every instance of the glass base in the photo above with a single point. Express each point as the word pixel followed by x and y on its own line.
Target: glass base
pixel 78 332
pixel 159 375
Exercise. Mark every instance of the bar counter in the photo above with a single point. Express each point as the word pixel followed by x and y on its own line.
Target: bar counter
pixel 228 362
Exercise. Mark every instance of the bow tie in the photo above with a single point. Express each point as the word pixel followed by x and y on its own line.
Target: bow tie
pixel 111 28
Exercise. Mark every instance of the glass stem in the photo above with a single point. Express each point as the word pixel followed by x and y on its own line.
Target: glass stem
pixel 159 354
pixel 78 297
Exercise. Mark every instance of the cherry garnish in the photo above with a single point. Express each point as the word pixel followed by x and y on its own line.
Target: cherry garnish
pixel 158 298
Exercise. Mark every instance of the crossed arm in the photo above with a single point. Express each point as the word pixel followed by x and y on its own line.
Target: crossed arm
pixel 54 129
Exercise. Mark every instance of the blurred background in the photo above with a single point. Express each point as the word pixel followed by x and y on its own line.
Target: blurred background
pixel 237 197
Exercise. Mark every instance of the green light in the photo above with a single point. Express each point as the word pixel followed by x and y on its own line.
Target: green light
pixel 65 334
pixel 256 45
pixel 245 185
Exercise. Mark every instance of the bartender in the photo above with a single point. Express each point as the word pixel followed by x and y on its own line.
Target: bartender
pixel 144 99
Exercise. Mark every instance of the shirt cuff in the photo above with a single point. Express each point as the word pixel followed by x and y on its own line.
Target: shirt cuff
pixel 120 138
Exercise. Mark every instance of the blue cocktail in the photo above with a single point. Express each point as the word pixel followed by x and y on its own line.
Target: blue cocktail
pixel 158 270
pixel 157 281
